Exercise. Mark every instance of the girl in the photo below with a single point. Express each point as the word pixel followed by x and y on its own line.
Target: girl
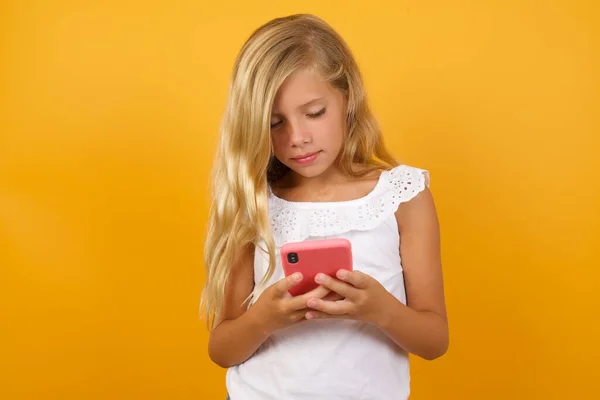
pixel 301 158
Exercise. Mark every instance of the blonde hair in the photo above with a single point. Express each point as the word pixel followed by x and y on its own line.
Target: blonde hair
pixel 244 162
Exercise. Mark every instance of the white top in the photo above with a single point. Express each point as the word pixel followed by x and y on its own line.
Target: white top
pixel 335 359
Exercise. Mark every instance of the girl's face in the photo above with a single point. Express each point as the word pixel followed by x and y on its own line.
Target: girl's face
pixel 308 124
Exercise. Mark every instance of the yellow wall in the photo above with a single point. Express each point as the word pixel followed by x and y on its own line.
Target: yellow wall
pixel 108 118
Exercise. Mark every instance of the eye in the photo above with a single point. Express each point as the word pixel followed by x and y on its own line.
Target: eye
pixel 275 124
pixel 317 114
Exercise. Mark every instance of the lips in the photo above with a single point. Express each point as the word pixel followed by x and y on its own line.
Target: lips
pixel 305 156
pixel 306 159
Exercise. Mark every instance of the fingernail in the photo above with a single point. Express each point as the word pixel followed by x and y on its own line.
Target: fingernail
pixel 342 273
pixel 311 302
pixel 297 276
pixel 309 315
pixel 319 278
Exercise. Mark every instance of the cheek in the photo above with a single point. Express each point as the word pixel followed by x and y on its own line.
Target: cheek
pixel 278 143
pixel 333 133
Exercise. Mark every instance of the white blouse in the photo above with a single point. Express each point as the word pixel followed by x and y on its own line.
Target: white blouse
pixel 335 359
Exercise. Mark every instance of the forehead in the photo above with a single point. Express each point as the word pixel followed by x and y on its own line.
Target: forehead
pixel 301 87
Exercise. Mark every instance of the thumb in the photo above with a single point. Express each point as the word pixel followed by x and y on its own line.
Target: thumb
pixel 288 282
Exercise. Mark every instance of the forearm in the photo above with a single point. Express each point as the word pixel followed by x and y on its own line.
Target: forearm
pixel 234 341
pixel 422 333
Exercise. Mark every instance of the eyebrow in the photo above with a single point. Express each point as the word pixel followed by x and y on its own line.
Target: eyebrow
pixel 302 105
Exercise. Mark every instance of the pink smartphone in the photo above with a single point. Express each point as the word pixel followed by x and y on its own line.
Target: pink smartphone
pixel 311 257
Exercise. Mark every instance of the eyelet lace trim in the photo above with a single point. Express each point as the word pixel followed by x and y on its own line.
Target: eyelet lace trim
pixel 296 221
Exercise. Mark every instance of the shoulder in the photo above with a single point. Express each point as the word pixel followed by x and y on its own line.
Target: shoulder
pixel 407 179
pixel 411 188
pixel 402 184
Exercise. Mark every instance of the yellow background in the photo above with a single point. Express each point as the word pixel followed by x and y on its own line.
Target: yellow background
pixel 109 113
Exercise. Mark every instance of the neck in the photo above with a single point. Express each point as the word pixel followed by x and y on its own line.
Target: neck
pixel 331 176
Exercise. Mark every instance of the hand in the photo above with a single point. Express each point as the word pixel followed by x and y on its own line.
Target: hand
pixel 362 297
pixel 333 296
pixel 277 308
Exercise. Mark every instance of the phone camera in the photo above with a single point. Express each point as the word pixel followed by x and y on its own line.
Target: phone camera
pixel 292 258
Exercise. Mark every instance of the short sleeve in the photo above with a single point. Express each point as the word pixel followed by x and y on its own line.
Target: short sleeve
pixel 404 183
pixel 292 221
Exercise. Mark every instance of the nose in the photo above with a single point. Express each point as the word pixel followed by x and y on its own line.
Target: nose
pixel 298 134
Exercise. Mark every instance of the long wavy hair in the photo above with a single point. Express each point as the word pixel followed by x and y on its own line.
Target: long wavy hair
pixel 244 162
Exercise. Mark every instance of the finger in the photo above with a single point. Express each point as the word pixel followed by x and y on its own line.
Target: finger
pixel 333 296
pixel 299 302
pixel 356 278
pixel 337 286
pixel 319 292
pixel 282 286
pixel 321 315
pixel 330 307
pixel 298 315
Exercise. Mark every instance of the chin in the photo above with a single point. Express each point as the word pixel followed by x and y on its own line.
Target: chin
pixel 309 172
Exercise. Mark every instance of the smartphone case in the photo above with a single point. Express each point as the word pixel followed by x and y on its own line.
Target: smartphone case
pixel 313 257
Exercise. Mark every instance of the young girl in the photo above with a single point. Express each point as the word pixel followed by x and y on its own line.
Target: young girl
pixel 301 158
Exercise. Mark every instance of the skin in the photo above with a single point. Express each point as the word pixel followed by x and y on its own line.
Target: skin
pixel 308 116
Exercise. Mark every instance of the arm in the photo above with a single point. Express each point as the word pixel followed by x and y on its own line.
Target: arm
pixel 420 327
pixel 240 332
